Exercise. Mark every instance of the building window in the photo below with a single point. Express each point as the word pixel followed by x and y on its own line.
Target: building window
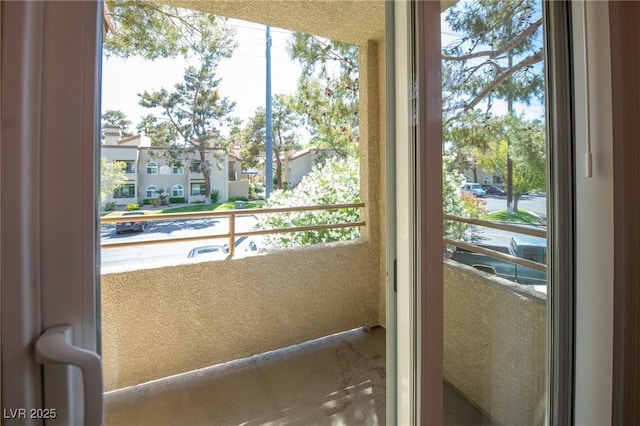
pixel 487 180
pixel 165 170
pixel 177 170
pixel 125 191
pixel 152 168
pixel 198 189
pixel 177 191
pixel 131 167
pixel 152 191
pixel 195 167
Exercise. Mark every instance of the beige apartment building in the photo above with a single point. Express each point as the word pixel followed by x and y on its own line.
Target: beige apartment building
pixel 149 171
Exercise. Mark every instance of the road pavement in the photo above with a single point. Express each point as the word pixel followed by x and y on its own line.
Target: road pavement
pixel 147 256
pixel 164 254
pixel 536 204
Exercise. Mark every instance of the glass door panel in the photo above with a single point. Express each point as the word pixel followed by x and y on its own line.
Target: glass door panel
pixel 495 168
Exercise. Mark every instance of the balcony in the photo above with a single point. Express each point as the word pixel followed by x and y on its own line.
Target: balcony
pixel 244 340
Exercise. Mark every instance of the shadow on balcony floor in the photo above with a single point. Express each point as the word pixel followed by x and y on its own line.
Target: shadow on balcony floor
pixel 338 379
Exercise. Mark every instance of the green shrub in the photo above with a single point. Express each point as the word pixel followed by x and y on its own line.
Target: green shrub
pixel 177 200
pixel 146 201
pixel 133 206
pixel 239 199
pixel 256 188
pixel 110 206
pixel 155 202
pixel 215 196
pixel 336 182
pixel 198 202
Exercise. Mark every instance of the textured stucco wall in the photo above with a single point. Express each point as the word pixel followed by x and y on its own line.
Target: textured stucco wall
pixel 164 321
pixel 238 188
pixel 351 21
pixel 495 344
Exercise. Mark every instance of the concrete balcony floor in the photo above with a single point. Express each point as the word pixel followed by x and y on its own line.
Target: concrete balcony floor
pixel 336 380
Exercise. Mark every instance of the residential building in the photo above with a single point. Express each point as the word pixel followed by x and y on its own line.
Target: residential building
pixel 150 170
pixel 161 323
pixel 297 164
pixel 479 175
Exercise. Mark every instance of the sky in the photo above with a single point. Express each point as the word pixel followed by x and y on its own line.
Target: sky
pixel 243 75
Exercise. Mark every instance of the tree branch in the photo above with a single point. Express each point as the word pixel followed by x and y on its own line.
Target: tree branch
pixel 500 51
pixel 539 56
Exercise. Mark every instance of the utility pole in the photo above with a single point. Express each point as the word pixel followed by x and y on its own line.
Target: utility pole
pixel 269 129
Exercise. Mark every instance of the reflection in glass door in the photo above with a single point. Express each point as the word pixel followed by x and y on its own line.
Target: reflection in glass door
pixel 495 282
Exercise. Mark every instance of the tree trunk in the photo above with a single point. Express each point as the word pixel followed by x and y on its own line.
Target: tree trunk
pixel 206 174
pixel 509 184
pixel 279 171
pixel 516 198
pixel 475 173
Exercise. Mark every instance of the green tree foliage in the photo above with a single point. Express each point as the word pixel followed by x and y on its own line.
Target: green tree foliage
pixel 115 117
pixel 161 131
pixel 195 111
pixel 154 30
pixel 285 122
pixel 328 91
pixel 495 56
pixel 112 177
pixel 455 202
pixel 525 142
pixel 336 182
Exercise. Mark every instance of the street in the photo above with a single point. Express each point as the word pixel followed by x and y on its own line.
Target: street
pixel 536 204
pixel 163 254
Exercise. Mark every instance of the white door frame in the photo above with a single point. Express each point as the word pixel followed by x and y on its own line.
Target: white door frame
pixel 50 104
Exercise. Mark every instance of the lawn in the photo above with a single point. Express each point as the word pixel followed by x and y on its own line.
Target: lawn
pixel 230 205
pixel 521 216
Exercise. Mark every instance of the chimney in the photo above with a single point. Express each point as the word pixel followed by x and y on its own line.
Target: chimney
pixel 112 134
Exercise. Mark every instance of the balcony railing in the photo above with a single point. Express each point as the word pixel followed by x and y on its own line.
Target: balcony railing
pixel 517 229
pixel 232 234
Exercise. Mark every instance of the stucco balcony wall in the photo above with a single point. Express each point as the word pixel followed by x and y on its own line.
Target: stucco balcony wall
pixel 495 344
pixel 164 321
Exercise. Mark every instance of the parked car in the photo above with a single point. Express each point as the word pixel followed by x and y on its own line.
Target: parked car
pixel 221 251
pixel 494 190
pixel 531 248
pixel 212 251
pixel 134 225
pixel 474 189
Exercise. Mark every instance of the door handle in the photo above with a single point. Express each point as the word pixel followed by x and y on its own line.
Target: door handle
pixel 54 347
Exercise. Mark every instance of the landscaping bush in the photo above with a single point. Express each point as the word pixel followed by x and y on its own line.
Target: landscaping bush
pixel 147 201
pixel 215 196
pixel 133 206
pixel 173 200
pixel 336 182
pixel 110 206
pixel 239 199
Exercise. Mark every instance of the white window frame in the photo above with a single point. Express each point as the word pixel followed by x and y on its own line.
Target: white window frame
pixel 154 189
pixel 199 185
pixel 177 191
pixel 152 165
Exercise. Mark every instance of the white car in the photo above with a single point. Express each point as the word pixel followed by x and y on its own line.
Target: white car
pixel 213 251
pixel 221 251
pixel 474 189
